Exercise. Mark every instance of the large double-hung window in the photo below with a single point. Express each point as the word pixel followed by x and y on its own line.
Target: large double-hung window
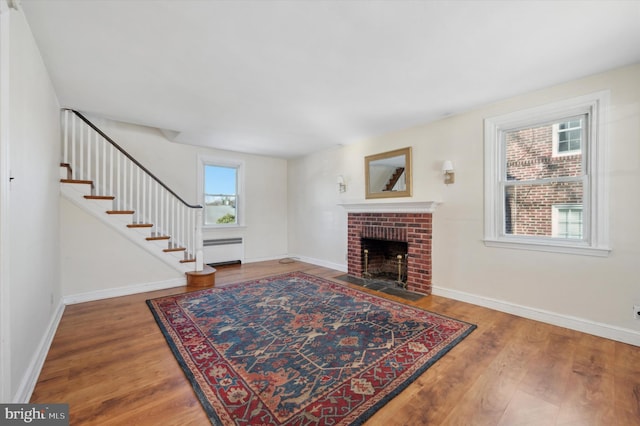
pixel 544 178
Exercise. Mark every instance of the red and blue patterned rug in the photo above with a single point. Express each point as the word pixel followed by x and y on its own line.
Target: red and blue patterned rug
pixel 295 349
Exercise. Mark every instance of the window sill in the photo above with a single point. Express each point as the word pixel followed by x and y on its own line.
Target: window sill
pixel 550 247
pixel 222 227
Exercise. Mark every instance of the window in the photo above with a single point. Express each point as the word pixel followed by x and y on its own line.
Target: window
pixel 535 179
pixel 220 183
pixel 566 221
pixel 567 137
pixel 544 185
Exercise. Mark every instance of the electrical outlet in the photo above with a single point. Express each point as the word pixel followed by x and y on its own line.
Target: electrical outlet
pixel 636 312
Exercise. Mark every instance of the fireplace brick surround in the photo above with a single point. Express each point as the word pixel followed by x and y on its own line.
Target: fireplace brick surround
pixel 414 228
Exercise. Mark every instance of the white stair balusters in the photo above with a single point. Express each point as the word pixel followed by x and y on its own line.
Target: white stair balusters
pixel 92 155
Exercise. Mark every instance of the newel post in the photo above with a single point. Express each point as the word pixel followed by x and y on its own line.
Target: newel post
pixel 199 241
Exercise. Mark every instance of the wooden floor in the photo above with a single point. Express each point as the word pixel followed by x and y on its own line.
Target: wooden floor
pixel 111 364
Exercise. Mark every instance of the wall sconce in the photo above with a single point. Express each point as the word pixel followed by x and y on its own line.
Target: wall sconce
pixel 447 170
pixel 342 187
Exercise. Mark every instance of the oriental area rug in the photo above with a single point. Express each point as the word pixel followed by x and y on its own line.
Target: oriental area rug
pixel 296 349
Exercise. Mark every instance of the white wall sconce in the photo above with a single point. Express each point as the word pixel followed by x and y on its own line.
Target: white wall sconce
pixel 447 170
pixel 342 187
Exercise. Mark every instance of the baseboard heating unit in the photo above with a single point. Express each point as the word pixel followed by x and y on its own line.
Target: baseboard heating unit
pixel 223 251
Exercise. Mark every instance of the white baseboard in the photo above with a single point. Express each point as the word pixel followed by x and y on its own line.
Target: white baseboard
pixel 607 331
pixel 311 260
pixel 123 291
pixel 263 259
pixel 331 265
pixel 30 378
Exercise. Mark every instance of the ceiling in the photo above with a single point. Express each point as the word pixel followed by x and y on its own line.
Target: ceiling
pixel 288 78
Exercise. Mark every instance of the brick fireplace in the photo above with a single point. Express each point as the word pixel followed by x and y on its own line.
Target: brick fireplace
pixel 408 223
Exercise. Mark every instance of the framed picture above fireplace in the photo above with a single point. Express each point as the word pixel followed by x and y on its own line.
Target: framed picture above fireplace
pixel 388 174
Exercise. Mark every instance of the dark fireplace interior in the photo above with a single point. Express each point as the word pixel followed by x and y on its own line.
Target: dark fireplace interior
pixel 385 260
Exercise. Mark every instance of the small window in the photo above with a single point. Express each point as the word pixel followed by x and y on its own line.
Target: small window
pixel 567 137
pixel 220 195
pixel 567 221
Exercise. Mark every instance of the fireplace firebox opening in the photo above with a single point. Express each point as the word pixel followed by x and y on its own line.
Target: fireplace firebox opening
pixel 385 260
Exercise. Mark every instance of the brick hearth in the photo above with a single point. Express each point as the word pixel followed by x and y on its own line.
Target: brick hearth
pixel 413 228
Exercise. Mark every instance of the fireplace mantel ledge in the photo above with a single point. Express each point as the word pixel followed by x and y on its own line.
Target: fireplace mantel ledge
pixel 401 207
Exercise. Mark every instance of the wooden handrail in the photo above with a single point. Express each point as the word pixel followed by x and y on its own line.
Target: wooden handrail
pixel 126 154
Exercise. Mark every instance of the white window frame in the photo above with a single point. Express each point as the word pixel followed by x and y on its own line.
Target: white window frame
pixel 240 198
pixel 555 216
pixel 595 240
pixel 556 139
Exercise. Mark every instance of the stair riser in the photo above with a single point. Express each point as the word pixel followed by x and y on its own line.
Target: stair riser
pixel 82 189
pixel 160 244
pixel 101 204
pixel 178 255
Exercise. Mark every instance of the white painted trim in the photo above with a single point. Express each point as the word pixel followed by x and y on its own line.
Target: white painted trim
pixel 607 331
pixel 596 211
pixel 5 264
pixel 123 291
pixel 320 262
pixel 262 259
pixel 391 207
pixel 539 245
pixel 30 378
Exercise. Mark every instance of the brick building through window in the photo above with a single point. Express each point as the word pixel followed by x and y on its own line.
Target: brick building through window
pixel 544 191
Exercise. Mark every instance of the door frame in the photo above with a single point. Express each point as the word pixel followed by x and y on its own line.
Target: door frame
pixel 5 188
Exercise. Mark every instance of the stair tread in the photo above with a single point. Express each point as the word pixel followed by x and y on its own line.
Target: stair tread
pixel 99 197
pixel 140 225
pixel 68 167
pixel 174 249
pixel 187 260
pixel 158 237
pixel 120 212
pixel 88 182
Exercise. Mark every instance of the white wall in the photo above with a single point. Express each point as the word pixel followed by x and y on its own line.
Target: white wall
pixel 98 262
pixel 176 164
pixel 597 294
pixel 34 276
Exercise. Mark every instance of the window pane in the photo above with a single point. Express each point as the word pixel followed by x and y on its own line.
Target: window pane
pixel 220 195
pixel 529 208
pixel 529 153
pixel 568 221
pixel 574 138
pixel 569 136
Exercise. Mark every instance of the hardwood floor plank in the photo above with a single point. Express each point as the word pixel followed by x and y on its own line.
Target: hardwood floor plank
pixel 111 364
pixel 485 402
pixel 529 410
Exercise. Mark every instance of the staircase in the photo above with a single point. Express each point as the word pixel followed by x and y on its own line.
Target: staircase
pixel 100 177
pixel 394 179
